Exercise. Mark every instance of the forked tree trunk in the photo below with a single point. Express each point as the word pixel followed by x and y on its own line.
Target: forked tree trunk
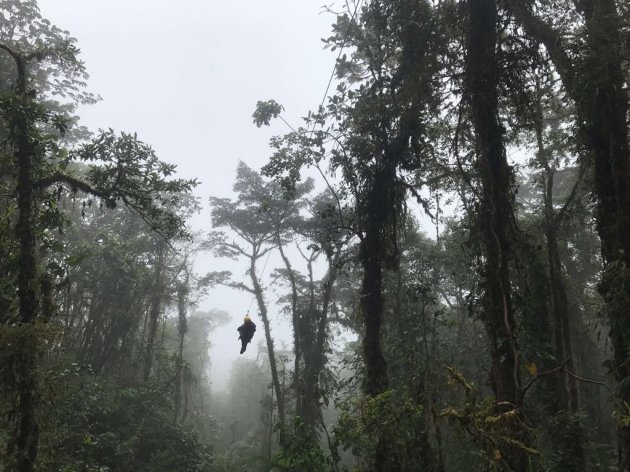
pixel 559 301
pixel 314 345
pixel 295 321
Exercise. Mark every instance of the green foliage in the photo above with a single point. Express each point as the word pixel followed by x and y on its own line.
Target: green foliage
pixel 242 456
pixel 57 71
pixel 265 111
pixel 496 426
pixel 260 214
pixel 12 337
pixel 128 171
pixel 393 415
pixel 96 425
pixel 301 451
pixel 397 129
pixel 567 429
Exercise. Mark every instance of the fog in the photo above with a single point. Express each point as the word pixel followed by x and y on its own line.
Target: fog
pixel 186 77
pixel 492 335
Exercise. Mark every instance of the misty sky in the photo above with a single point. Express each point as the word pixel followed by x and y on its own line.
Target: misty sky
pixel 186 76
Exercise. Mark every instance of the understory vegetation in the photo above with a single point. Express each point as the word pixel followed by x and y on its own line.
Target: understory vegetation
pixel 455 281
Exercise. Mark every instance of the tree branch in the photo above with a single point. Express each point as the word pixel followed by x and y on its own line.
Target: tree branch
pixel 73 182
pixel 555 370
pixel 561 368
pixel 551 38
pixel 12 53
pixel 570 199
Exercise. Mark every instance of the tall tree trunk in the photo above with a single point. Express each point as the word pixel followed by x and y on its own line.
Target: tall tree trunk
pixel 605 107
pixel 566 433
pixel 28 431
pixel 602 104
pixel 314 352
pixel 567 436
pixel 559 300
pixel 372 299
pixel 372 303
pixel 295 319
pixel 314 338
pixel 560 307
pixel 482 75
pixel 310 408
pixel 160 356
pixel 262 307
pixel 182 328
pixel 154 310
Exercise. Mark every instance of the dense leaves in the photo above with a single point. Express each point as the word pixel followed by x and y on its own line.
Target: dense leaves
pixel 456 298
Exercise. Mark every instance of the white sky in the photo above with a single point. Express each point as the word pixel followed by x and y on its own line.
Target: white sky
pixel 186 75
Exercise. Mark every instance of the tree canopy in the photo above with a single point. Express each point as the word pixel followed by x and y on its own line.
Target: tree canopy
pixel 438 257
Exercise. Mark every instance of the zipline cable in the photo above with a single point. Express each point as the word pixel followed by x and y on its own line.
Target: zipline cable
pixel 330 79
pixel 343 45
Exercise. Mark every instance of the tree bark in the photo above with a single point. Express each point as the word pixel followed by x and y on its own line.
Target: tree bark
pixel 295 318
pixel 605 107
pixel 182 328
pixel 154 311
pixel 566 400
pixel 28 432
pixel 262 307
pixel 482 75
pixel 602 104
pixel 314 349
pixel 567 436
pixel 372 300
pixel 376 381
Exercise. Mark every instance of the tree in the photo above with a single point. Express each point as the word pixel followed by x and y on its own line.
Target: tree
pixel 259 210
pixel 40 164
pixel 593 76
pixel 496 213
pixel 379 115
pixel 312 301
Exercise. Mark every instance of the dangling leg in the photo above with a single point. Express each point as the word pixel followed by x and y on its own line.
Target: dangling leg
pixel 244 346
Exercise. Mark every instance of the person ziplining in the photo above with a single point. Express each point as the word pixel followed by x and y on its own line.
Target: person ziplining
pixel 246 332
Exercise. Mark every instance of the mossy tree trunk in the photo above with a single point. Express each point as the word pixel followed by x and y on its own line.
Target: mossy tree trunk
pixel 495 208
pixel 601 99
pixel 155 309
pixel 262 307
pixel 28 433
pixel 605 107
pixel 568 443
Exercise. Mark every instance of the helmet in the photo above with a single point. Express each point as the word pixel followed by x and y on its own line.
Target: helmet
pixel 247 318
